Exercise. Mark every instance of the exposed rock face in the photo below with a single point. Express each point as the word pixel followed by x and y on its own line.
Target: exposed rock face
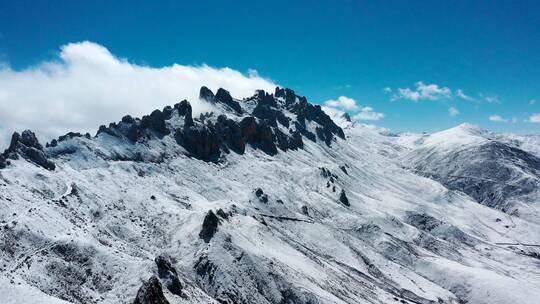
pixel 266 109
pixel 167 112
pixel 209 226
pixel 156 122
pixel 151 292
pixel 263 198
pixel 69 135
pixel 248 127
pixel 343 198
pixel 3 162
pixel 259 135
pixel 206 94
pixel 167 273
pixel 265 139
pixel 184 109
pixel 222 96
pixel 27 146
pixel 230 134
pixel 200 141
pixel 207 138
pixel 307 112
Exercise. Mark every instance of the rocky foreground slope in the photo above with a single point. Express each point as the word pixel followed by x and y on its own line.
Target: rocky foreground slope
pixel 267 200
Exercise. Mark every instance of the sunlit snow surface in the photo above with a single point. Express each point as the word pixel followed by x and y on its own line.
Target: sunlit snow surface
pixel 89 231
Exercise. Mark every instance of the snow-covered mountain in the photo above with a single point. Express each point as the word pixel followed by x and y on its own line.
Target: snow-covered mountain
pixel 267 200
pixel 490 168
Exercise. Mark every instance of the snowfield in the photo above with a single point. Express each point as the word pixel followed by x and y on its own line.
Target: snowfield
pixel 90 230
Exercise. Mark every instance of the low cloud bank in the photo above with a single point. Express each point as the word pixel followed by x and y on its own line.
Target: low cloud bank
pixel 86 86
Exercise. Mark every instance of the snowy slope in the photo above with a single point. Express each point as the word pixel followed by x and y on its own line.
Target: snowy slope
pixel 491 168
pixel 90 230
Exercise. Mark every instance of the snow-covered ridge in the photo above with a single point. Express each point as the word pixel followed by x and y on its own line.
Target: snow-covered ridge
pixel 489 167
pixel 179 209
pixel 269 122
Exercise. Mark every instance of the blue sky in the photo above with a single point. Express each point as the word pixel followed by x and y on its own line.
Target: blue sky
pixel 488 50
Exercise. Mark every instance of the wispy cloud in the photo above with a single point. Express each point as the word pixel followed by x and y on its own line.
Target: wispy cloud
pixel 423 91
pixel 534 118
pixel 453 111
pixel 499 118
pixel 532 102
pixel 343 102
pixel 459 93
pixel 491 99
pixel 86 86
pixel 337 107
pixel 367 113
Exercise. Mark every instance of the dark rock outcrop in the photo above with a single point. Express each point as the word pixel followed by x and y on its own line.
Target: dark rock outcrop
pixel 343 198
pixel 295 141
pixel 167 112
pixel 223 214
pixel 263 198
pixel 248 127
pixel 3 162
pixel 201 142
pixel 151 292
pixel 67 136
pixel 156 122
pixel 28 147
pixel 224 97
pixel 168 275
pixel 259 135
pixel 265 139
pixel 209 226
pixel 206 94
pixel 184 109
pixel 230 134
pixel 306 111
pixel 266 109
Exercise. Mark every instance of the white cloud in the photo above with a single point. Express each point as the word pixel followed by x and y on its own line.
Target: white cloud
pixel 459 93
pixel 343 102
pixel 431 92
pixel 367 113
pixel 453 111
pixel 423 92
pixel 87 86
pixel 532 101
pixel 336 109
pixel 534 118
pixel 498 118
pixel 491 99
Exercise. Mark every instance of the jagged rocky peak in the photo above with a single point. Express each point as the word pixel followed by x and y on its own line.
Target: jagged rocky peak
pixel 269 122
pixel 222 96
pixel 276 122
pixel 151 292
pixel 27 146
pixel 206 94
pixel 168 274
